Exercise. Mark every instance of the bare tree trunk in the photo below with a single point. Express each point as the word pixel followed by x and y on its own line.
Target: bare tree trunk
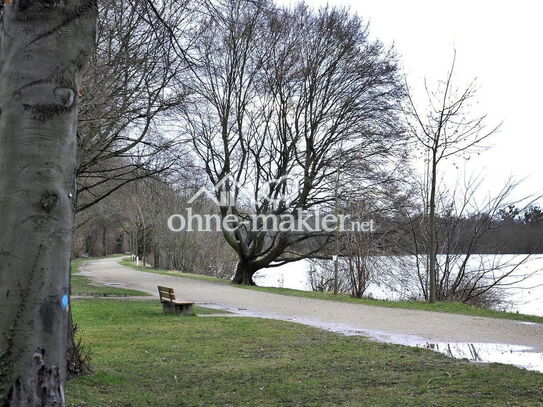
pixel 104 240
pixel 157 255
pixel 44 47
pixel 432 252
pixel 244 274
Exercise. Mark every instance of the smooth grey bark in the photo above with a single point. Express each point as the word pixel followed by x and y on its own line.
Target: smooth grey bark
pixel 45 45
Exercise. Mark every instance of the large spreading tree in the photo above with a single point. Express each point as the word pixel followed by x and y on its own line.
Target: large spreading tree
pixel 279 93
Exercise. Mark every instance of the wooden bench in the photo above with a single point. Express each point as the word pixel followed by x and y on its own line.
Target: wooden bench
pixel 172 306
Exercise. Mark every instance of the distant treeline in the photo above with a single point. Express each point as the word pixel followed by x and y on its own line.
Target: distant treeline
pixel 511 231
pixel 518 231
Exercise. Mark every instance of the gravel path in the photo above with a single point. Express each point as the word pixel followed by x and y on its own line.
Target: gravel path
pixel 387 324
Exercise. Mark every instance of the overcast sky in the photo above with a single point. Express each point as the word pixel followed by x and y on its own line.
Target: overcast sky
pixel 498 42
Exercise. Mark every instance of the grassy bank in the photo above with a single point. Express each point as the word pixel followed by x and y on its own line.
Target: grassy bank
pixel 82 285
pixel 449 307
pixel 143 357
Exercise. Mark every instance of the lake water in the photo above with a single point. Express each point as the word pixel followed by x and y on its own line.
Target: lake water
pixel 524 295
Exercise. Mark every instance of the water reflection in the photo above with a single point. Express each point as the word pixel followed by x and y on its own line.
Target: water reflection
pixel 516 355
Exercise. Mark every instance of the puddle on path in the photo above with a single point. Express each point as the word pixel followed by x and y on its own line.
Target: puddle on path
pixel 520 356
pixel 516 355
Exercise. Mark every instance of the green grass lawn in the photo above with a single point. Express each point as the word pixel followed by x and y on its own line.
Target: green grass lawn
pixel 450 307
pixel 82 285
pixel 143 357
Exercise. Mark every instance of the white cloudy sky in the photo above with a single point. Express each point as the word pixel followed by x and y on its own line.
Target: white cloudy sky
pixel 498 42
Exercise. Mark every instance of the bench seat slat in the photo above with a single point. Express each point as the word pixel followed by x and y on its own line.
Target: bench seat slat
pixel 183 302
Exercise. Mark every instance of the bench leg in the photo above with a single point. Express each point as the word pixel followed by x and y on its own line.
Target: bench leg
pixel 183 309
pixel 168 308
pixel 177 309
pixel 187 309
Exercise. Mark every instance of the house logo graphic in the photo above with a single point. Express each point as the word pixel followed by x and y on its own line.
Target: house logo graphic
pixel 228 192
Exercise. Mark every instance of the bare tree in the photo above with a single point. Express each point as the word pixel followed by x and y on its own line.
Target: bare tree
pixel 445 128
pixel 44 47
pixel 202 252
pixel 278 94
pixel 360 251
pixel 365 257
pixel 469 265
pixel 126 101
pixel 122 135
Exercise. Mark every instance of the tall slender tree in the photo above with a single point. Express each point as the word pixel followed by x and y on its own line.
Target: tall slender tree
pixel 44 47
pixel 446 128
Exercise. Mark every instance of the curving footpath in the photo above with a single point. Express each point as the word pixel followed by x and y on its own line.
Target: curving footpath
pixel 387 324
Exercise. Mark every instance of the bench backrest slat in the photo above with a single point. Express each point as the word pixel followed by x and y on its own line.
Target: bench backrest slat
pixel 166 294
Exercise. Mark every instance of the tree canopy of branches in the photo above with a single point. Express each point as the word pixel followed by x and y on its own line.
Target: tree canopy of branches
pixel 126 99
pixel 277 93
